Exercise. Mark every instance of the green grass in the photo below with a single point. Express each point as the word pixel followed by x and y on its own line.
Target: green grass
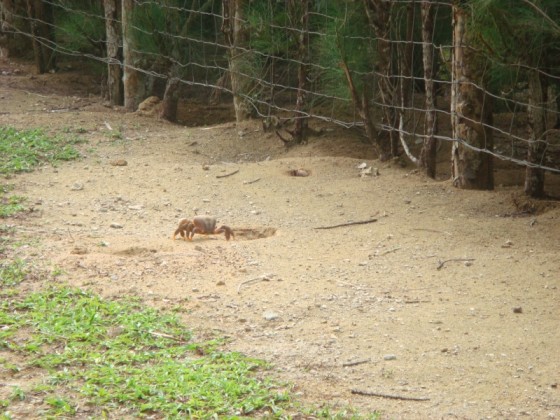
pixel 10 205
pixel 12 273
pixel 23 150
pixel 120 355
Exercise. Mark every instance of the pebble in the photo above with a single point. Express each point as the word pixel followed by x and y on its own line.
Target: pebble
pixel 79 250
pixel 119 162
pixel 389 357
pixel 116 226
pixel 77 186
pixel 270 315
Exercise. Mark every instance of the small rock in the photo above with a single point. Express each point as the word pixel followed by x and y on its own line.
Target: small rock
pixel 270 316
pixel 136 207
pixel 116 226
pixel 389 357
pixel 299 172
pixel 77 186
pixel 118 162
pixel 518 310
pixel 79 250
pixel 221 283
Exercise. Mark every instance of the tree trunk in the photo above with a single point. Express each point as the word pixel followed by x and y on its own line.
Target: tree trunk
pixel 472 168
pixel 40 15
pixel 300 13
pixel 429 148
pixel 7 9
pixel 379 13
pixel 170 99
pixel 134 90
pixel 236 38
pixel 534 176
pixel 114 55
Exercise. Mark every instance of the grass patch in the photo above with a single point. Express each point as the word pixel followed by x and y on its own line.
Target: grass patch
pixel 10 205
pixel 21 151
pixel 12 273
pixel 122 356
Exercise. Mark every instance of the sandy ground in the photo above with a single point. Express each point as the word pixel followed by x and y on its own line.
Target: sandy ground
pixel 448 301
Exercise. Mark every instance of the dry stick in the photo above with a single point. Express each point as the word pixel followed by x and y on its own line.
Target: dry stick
pixel 387 252
pixel 442 263
pixel 226 175
pixel 251 182
pixel 394 397
pixel 252 281
pixel 162 335
pixel 357 362
pixel 363 222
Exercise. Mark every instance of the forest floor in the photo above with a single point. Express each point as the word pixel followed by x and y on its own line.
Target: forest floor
pixel 449 301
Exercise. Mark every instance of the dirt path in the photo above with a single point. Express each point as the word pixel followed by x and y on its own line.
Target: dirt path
pixel 443 298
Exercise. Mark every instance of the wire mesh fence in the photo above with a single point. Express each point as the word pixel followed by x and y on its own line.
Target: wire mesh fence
pixel 413 76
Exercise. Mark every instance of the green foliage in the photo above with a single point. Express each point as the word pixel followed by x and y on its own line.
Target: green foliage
pixel 21 151
pixel 12 273
pixel 80 27
pixel 122 354
pixel 10 205
pixel 347 39
pixel 503 28
pixel 266 24
pixel 173 31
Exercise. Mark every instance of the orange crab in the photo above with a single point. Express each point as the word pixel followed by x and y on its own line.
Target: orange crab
pixel 204 225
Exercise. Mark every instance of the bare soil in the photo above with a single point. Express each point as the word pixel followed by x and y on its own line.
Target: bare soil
pixel 451 297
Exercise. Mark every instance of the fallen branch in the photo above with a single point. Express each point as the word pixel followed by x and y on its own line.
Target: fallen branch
pixel 226 175
pixel 442 263
pixel 357 362
pixel 363 222
pixel 393 397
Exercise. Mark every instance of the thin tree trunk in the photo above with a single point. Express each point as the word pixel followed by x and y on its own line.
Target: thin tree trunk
pixel 170 99
pixel 40 14
pixel 534 176
pixel 300 9
pixel 472 168
pixel 7 10
pixel 429 149
pixel 114 56
pixel 134 90
pixel 379 13
pixel 236 38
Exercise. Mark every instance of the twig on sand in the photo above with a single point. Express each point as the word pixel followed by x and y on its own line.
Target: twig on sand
pixel 391 396
pixel 362 222
pixel 251 182
pixel 355 363
pixel 226 175
pixel 264 277
pixel 442 263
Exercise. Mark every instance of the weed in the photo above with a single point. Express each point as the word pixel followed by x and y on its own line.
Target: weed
pixel 119 353
pixel 21 151
pixel 12 273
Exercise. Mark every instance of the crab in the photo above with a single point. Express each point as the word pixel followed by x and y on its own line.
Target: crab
pixel 205 225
